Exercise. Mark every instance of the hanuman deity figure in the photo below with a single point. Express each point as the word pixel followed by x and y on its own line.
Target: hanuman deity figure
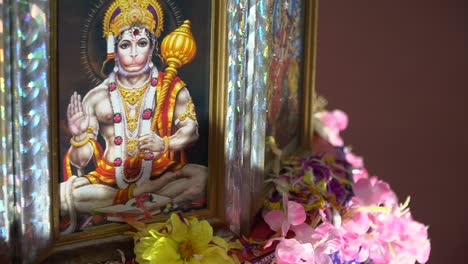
pixel 146 118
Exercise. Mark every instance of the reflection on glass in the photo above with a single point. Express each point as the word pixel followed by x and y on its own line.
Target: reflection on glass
pixel 283 101
pixel 6 191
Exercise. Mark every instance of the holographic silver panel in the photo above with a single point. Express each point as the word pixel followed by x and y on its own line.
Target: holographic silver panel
pixel 237 27
pixel 30 62
pixel 6 137
pixel 248 26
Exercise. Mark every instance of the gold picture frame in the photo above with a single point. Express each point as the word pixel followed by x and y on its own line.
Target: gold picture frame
pixel 114 234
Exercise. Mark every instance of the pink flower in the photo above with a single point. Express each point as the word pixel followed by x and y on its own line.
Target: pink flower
pixel 336 119
pixel 377 228
pixel 356 161
pixel 371 191
pixel 360 174
pixel 294 214
pixel 154 81
pixel 359 223
pixel 405 236
pixel 362 246
pixel 290 251
pixel 334 122
pixel 309 245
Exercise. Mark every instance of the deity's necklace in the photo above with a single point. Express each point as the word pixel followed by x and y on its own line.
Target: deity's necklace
pixel 132 95
pixel 126 141
pixel 133 98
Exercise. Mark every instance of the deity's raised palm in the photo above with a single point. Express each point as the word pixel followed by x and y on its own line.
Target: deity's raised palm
pixel 78 119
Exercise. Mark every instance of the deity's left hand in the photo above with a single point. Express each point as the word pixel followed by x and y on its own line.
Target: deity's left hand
pixel 151 142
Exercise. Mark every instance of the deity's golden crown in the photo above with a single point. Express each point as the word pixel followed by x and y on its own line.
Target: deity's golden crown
pixel 125 13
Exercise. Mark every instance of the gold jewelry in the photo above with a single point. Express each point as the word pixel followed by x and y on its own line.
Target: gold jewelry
pixel 79 144
pixel 133 95
pixel 90 129
pixel 166 143
pixel 132 145
pixel 123 13
pixel 189 111
pixel 132 120
pixel 131 188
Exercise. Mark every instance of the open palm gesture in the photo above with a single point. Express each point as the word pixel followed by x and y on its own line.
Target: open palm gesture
pixel 78 120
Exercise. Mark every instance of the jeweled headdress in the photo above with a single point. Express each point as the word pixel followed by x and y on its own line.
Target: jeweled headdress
pixel 122 14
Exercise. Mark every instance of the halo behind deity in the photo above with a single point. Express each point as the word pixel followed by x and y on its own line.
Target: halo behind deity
pixel 93 46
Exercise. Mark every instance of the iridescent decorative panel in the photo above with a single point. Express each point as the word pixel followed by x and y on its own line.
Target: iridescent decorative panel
pixel 270 90
pixel 6 136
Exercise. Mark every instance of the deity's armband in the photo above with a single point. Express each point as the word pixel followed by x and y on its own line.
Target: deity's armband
pixel 91 133
pixel 189 115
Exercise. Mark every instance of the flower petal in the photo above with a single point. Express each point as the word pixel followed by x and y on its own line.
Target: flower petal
pixel 373 192
pixel 303 232
pixel 179 230
pixel 163 251
pixel 296 213
pixel 330 239
pixel 275 219
pixel 200 233
pixel 358 224
pixel 289 251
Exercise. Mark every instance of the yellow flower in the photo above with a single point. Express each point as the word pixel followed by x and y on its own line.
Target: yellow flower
pixel 181 242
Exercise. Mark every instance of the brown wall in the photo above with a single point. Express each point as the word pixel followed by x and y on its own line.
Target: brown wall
pixel 400 70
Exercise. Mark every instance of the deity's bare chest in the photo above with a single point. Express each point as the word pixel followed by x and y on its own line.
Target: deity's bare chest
pixel 104 113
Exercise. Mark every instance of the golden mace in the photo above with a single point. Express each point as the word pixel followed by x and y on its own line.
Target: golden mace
pixel 177 49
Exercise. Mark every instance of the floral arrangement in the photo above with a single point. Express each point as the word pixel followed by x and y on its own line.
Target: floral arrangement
pixel 323 208
pixel 334 212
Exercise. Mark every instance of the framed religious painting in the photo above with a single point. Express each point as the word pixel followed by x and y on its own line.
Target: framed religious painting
pixel 118 110
pixel 119 141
